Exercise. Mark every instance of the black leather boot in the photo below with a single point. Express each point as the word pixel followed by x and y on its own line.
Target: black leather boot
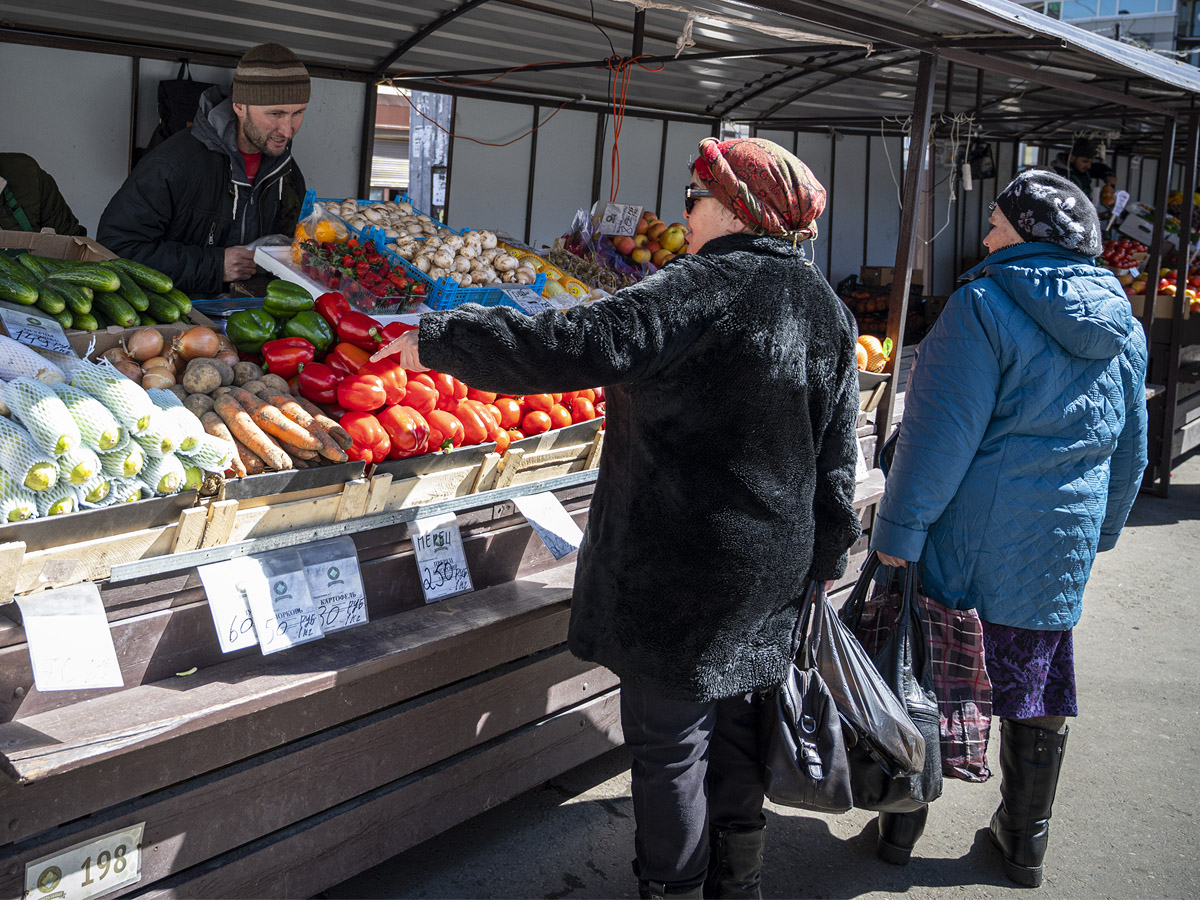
pixel 1030 760
pixel 899 833
pixel 734 863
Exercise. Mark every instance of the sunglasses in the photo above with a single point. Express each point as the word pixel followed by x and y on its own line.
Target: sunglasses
pixel 691 195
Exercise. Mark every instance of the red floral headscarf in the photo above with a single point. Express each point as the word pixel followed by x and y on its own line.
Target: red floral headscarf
pixel 767 188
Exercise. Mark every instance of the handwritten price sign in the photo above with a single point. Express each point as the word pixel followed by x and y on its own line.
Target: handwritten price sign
pixel 34 329
pixel 286 615
pixel 70 645
pixel 620 218
pixel 441 561
pixel 227 586
pixel 335 583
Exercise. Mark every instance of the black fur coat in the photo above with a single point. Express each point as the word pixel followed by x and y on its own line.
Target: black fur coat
pixel 727 477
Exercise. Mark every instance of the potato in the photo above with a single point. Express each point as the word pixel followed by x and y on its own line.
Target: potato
pixel 256 387
pixel 203 376
pixel 179 391
pixel 198 404
pixel 276 383
pixel 246 371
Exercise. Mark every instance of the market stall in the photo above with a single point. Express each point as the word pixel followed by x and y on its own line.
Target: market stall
pixel 245 773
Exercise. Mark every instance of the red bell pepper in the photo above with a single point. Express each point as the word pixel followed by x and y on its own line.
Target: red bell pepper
pixel 450 390
pixel 481 396
pixel 407 429
pixel 361 393
pixel 371 441
pixel 332 306
pixel 477 425
pixel 360 330
pixel 284 356
pixel 318 383
pixel 393 330
pixel 393 376
pixel 420 393
pixel 445 430
pixel 346 359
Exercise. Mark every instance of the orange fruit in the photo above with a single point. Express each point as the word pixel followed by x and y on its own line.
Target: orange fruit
pixel 876 359
pixel 326 232
pixel 860 356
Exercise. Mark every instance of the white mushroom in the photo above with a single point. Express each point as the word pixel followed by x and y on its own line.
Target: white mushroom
pixel 525 275
pixel 424 263
pixel 422 217
pixel 489 239
pixel 453 240
pixel 437 272
pixel 505 262
pixel 408 251
pixel 444 257
pixel 373 214
pixel 461 264
pixel 413 228
pixel 508 277
pixel 491 253
pixel 404 207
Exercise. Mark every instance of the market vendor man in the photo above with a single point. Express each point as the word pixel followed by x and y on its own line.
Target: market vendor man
pixel 1078 167
pixel 30 199
pixel 194 202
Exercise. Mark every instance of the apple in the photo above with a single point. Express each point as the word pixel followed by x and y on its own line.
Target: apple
pixel 625 244
pixel 642 225
pixel 657 227
pixel 640 255
pixel 653 246
pixel 640 239
pixel 673 238
pixel 662 257
pixel 1125 279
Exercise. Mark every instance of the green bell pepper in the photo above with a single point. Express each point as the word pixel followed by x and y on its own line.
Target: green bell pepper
pixel 311 326
pixel 249 329
pixel 285 299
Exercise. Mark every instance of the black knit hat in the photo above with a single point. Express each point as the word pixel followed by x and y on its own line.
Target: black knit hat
pixel 270 75
pixel 1042 206
pixel 1084 147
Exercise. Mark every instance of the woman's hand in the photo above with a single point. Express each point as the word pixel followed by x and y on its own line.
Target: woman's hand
pixel 405 347
pixel 894 561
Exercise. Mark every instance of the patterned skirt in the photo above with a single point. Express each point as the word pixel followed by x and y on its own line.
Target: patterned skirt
pixel 1032 672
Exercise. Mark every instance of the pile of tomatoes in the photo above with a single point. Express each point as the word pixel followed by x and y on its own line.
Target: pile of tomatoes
pixel 1119 254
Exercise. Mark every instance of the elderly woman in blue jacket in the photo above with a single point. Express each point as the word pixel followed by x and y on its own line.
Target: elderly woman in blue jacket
pixel 1021 452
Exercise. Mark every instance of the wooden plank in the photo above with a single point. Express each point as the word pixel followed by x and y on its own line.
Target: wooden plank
pixel 593 458
pixel 317 773
pixel 311 855
pixel 509 467
pixel 522 467
pixel 221 515
pixel 352 503
pixel 381 486
pixel 869 491
pixel 90 560
pixel 433 487
pixel 489 470
pixel 277 518
pixel 11 555
pixel 191 529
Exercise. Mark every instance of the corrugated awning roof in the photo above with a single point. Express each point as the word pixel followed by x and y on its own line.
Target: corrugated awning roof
pixel 788 63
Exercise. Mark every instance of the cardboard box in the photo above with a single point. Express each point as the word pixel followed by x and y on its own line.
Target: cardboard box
pixel 1164 306
pixel 881 276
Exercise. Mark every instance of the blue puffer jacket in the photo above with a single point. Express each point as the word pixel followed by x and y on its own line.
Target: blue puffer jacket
pixel 1024 438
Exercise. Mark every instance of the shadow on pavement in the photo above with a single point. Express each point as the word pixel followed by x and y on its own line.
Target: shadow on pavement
pixel 1150 510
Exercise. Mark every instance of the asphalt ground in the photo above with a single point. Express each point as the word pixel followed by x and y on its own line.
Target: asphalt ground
pixel 1125 820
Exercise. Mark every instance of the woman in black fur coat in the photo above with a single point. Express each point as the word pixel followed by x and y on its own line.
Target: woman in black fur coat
pixel 726 482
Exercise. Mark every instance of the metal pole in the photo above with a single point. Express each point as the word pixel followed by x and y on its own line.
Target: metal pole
pixel 1162 189
pixel 1185 233
pixel 367 150
pixel 914 176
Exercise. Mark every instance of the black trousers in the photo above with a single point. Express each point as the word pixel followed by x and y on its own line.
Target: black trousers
pixel 695 765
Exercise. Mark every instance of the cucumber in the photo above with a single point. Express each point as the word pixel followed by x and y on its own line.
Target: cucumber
pixel 95 277
pixel 287 290
pixel 146 319
pixel 51 264
pixel 9 266
pixel 17 290
pixel 146 277
pixel 162 310
pixel 85 322
pixel 78 297
pixel 131 292
pixel 34 265
pixel 115 309
pixel 180 299
pixel 51 301
pixel 64 318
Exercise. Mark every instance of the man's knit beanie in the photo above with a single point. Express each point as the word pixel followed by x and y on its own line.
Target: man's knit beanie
pixel 270 75
pixel 1042 206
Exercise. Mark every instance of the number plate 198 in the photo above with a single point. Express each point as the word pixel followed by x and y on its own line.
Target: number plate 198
pixel 87 870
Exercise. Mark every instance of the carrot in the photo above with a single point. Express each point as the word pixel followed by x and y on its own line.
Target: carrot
pixel 244 429
pixel 213 425
pixel 297 452
pixel 271 420
pixel 335 431
pixel 250 460
pixel 299 415
pixel 299 463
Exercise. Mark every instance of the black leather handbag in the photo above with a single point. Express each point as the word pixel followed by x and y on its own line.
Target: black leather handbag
pixel 804 757
pixel 904 664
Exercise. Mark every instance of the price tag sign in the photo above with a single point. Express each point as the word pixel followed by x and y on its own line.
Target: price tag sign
pixel 284 613
pixel 89 869
pixel 530 301
pixel 620 218
pixel 33 328
pixel 228 585
pixel 441 562
pixel 1135 272
pixel 552 523
pixel 1119 205
pixel 335 583
pixel 70 646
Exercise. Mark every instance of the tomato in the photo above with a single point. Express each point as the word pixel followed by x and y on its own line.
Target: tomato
pixel 557 398
pixel 503 439
pixel 582 409
pixel 492 410
pixel 516 434
pixel 510 411
pixel 560 416
pixel 536 422
pixel 540 402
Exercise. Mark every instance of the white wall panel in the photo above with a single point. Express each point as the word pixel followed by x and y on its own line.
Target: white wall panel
pixel 883 203
pixel 815 151
pixel 489 185
pixel 683 139
pixel 941 281
pixel 70 112
pixel 562 173
pixel 328 145
pixel 640 147
pixel 848 195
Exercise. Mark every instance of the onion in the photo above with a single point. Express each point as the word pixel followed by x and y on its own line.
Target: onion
pixel 157 362
pixel 116 355
pixel 158 378
pixel 224 343
pixel 231 357
pixel 130 370
pixel 197 342
pixel 175 361
pixel 144 344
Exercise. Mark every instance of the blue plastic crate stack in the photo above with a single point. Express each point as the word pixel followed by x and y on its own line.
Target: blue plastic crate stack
pixel 442 293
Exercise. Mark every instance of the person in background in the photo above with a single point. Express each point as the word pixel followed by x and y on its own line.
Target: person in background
pixel 1077 166
pixel 30 200
pixel 1019 457
pixel 194 202
pixel 726 483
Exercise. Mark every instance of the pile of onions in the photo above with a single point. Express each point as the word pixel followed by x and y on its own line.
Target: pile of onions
pixel 148 360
